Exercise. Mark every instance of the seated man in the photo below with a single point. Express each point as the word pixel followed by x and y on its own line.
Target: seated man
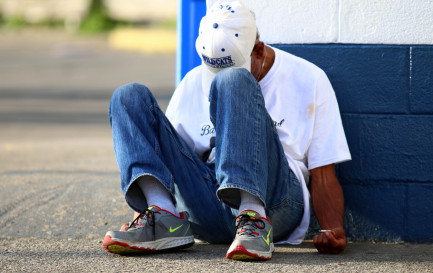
pixel 241 136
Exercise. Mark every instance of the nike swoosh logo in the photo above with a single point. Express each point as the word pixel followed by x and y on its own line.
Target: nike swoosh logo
pixel 267 239
pixel 174 229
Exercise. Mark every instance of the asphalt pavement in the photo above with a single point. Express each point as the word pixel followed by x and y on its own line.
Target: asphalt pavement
pixel 59 182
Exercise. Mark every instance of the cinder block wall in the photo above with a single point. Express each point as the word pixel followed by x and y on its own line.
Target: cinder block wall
pixel 378 55
pixel 385 94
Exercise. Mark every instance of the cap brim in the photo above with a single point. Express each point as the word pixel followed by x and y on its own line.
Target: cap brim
pixel 208 75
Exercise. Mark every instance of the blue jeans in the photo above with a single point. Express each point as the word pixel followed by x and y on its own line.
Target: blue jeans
pixel 249 156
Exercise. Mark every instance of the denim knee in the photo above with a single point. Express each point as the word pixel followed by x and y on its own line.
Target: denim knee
pixel 233 73
pixel 129 94
pixel 231 82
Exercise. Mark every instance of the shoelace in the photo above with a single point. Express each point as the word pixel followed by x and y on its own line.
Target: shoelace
pixel 149 216
pixel 248 225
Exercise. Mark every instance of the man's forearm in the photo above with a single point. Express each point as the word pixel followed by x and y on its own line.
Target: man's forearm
pixel 327 197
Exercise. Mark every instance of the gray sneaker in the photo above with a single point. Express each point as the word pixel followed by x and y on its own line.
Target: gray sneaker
pixel 254 238
pixel 157 230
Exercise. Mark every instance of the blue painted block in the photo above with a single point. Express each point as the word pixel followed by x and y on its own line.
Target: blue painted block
pixel 420 212
pixel 421 91
pixel 368 208
pixel 375 212
pixel 366 78
pixel 388 147
pixel 189 14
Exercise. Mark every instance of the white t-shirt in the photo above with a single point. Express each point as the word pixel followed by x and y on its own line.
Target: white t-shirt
pixel 303 106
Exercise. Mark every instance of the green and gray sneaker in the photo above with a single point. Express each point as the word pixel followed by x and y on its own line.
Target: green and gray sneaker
pixel 155 229
pixel 254 238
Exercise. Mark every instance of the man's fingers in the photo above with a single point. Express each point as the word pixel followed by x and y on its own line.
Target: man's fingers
pixel 336 243
pixel 321 243
pixel 325 238
pixel 317 241
pixel 315 238
pixel 330 242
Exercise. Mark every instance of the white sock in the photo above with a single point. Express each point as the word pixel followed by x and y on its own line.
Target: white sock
pixel 156 194
pixel 251 202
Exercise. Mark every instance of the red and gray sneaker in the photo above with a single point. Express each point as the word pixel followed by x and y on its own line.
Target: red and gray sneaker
pixel 155 229
pixel 254 238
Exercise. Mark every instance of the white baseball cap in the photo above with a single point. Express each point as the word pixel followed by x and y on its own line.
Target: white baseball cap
pixel 226 38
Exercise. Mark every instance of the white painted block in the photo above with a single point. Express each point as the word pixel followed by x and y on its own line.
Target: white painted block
pixel 386 22
pixel 344 21
pixel 295 21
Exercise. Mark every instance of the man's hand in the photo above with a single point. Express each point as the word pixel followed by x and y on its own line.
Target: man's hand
pixel 331 242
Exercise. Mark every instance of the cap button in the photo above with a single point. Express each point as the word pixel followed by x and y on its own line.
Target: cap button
pixel 215 25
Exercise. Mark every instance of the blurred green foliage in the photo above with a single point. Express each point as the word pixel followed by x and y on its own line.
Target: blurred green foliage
pixel 19 22
pixel 97 20
pixel 15 22
pixel 167 24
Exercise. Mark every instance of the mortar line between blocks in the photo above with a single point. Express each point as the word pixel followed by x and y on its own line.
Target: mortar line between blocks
pixel 409 91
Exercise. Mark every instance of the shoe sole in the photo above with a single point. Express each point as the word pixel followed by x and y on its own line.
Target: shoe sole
pixel 241 253
pixel 122 247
